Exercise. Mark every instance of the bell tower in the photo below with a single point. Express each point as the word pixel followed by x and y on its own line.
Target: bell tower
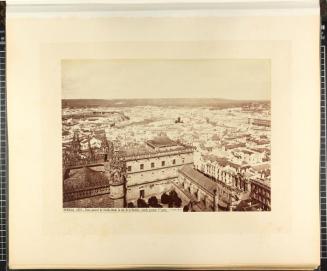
pixel 115 170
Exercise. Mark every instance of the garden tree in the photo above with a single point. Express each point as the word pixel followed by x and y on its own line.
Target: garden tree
pixel 130 205
pixel 174 199
pixel 171 199
pixel 141 203
pixel 153 201
pixel 185 208
pixel 178 202
pixel 165 198
pixel 173 194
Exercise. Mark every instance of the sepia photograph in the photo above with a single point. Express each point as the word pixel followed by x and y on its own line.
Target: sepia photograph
pixel 140 136
pixel 192 135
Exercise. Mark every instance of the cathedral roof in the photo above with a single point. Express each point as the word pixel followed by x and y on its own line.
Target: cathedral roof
pixel 84 178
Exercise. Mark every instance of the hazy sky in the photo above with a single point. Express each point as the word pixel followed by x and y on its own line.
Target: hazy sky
pixel 242 79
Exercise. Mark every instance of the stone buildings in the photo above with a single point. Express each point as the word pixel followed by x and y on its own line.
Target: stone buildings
pixel 113 178
pixel 152 171
pixel 125 176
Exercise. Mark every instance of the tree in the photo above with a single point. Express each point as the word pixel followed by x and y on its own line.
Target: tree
pixel 141 203
pixel 172 199
pixel 177 202
pixel 165 198
pixel 130 205
pixel 153 201
pixel 185 208
pixel 173 194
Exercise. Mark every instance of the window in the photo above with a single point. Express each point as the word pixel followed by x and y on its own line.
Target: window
pixel 142 166
pixel 129 168
pixel 152 165
pixel 162 163
pixel 174 161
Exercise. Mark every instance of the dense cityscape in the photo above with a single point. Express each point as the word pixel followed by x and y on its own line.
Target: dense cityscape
pixel 193 155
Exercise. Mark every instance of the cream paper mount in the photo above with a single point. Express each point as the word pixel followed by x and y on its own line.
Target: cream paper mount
pixel 38 52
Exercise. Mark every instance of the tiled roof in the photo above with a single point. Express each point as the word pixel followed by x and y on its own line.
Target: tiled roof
pixel 162 141
pixel 199 178
pixel 261 167
pixel 234 146
pixel 145 150
pixel 260 149
pixel 220 160
pixel 100 132
pixel 246 151
pixel 234 165
pixel 85 178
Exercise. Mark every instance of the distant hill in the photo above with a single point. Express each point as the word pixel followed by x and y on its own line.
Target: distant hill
pixel 188 102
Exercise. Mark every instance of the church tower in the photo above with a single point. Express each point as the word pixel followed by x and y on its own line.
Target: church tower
pixel 115 170
pixel 76 144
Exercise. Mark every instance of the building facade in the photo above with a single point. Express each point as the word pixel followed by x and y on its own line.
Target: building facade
pixel 114 179
pixel 237 183
pixel 261 194
pixel 152 173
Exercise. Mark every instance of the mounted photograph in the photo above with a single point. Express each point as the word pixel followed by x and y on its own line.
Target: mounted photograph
pixel 190 135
